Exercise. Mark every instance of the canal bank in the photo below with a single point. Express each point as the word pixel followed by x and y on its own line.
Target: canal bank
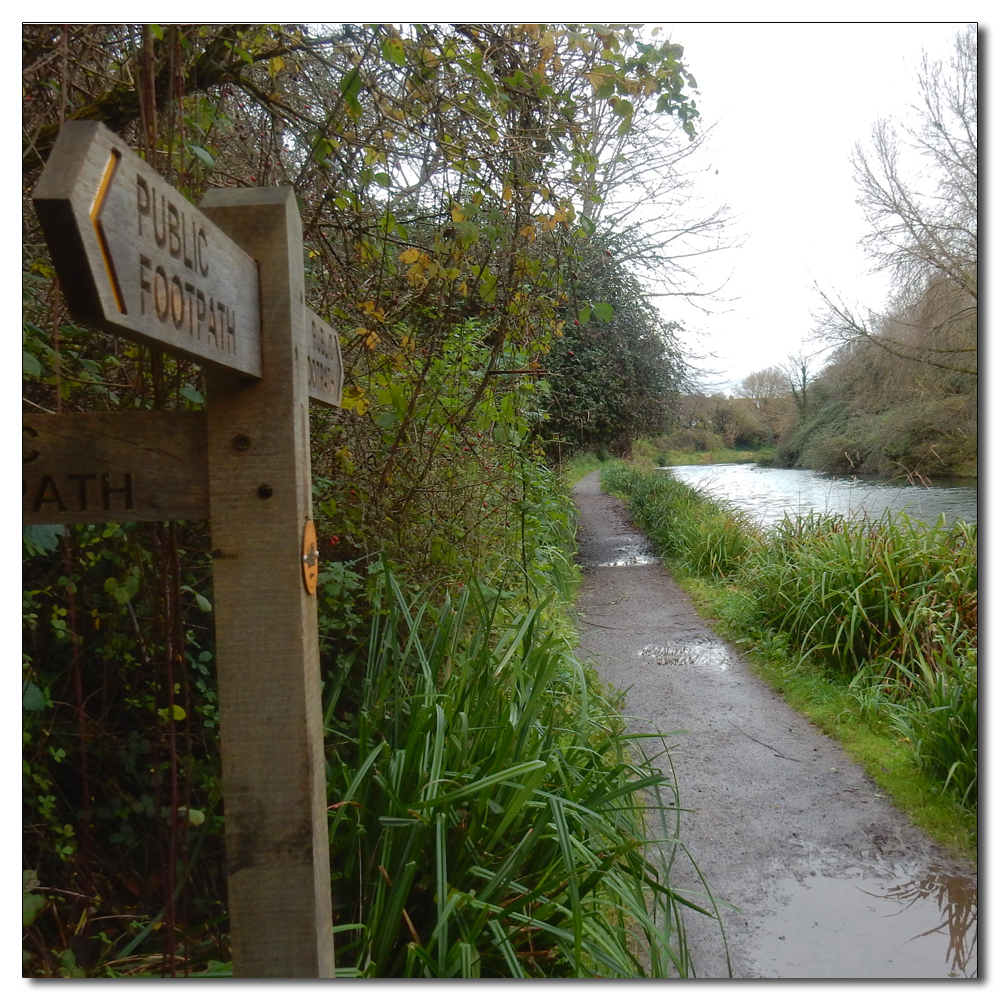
pixel 829 879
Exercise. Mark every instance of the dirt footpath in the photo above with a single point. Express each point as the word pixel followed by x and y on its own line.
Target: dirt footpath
pixel 783 825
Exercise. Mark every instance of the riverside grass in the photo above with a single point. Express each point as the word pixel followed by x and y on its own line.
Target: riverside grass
pixel 486 817
pixel 886 609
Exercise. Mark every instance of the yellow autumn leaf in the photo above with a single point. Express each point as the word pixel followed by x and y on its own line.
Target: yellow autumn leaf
pixel 508 194
pixel 456 214
pixel 354 398
pixel 409 256
pixel 277 65
pixel 371 341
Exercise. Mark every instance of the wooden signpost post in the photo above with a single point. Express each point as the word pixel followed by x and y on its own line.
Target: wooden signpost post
pixel 223 285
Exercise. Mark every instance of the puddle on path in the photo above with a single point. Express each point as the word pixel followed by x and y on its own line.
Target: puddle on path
pixel 620 550
pixel 856 924
pixel 697 651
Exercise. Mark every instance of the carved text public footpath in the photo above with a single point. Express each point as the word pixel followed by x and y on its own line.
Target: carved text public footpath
pixel 223 285
pixel 178 298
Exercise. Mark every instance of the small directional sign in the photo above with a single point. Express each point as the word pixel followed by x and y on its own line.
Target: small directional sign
pixel 326 378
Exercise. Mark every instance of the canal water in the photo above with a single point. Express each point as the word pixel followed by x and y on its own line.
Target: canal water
pixel 769 493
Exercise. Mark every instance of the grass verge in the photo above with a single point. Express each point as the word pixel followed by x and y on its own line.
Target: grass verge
pixel 830 704
pixel 656 453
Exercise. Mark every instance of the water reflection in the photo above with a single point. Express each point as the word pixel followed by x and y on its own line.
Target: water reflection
pixel 617 550
pixel 769 493
pixel 868 917
pixel 697 651
pixel 956 898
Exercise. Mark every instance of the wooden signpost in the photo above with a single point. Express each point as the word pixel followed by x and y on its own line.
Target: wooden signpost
pixel 223 285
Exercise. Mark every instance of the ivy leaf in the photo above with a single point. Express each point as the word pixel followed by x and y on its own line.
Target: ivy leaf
pixel 203 154
pixel 393 51
pixel 42 537
pixel 203 602
pixel 31 366
pixel 31 906
pixel 191 393
pixel 32 698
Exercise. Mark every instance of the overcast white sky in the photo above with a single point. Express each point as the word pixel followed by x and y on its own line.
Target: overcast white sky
pixel 789 101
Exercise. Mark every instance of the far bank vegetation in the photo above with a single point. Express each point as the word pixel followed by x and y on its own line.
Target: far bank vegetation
pixel 898 395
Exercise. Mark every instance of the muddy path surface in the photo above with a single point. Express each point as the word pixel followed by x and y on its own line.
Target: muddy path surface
pixel 830 880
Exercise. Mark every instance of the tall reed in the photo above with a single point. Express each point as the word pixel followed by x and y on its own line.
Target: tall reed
pixel 859 592
pixel 486 819
pixel 706 536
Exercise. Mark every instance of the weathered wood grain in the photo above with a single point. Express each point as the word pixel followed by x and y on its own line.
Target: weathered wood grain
pixel 99 467
pixel 274 775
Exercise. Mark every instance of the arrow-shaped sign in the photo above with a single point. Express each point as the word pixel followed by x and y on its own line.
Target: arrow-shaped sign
pixel 137 259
